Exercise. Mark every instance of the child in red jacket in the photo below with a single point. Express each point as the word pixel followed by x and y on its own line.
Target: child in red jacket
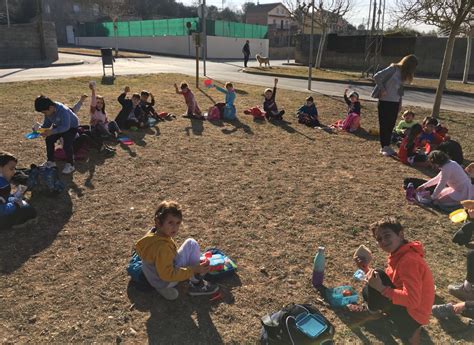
pixel 405 290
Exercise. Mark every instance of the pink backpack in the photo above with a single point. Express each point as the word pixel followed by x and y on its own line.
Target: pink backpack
pixel 214 113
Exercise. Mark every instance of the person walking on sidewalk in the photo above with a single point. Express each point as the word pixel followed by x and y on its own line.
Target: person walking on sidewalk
pixel 389 91
pixel 246 52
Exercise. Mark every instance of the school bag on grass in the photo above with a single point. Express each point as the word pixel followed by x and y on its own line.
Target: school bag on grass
pixel 214 113
pixel 44 180
pixel 296 324
pixel 135 271
pixel 224 266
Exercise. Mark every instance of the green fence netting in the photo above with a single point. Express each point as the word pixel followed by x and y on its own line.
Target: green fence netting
pixel 172 27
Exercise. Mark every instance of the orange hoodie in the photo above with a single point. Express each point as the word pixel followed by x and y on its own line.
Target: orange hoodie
pixel 414 285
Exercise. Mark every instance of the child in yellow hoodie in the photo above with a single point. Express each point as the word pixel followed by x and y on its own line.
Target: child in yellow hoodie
pixel 164 265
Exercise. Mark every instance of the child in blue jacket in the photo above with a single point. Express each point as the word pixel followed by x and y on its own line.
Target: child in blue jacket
pixel 14 211
pixel 308 114
pixel 229 110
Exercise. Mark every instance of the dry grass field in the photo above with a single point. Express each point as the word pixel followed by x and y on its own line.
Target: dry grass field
pixel 268 194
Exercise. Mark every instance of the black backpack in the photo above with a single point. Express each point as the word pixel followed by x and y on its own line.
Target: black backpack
pixel 296 324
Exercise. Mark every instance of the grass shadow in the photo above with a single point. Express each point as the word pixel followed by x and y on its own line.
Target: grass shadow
pixel 363 134
pixel 237 125
pixel 285 125
pixel 197 126
pixel 107 80
pixel 18 245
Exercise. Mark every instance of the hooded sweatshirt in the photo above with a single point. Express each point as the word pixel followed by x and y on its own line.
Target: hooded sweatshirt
pixel 414 285
pixel 158 252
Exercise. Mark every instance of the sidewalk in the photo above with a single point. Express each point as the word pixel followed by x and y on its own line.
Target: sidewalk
pixel 60 62
pixel 357 82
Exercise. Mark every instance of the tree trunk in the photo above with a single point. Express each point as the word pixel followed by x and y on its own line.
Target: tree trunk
pixel 467 63
pixel 322 44
pixel 448 54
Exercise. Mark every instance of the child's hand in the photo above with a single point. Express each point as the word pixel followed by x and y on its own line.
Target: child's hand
pixel 276 81
pixel 83 97
pixel 375 281
pixel 362 264
pixel 46 132
pixel 175 86
pixel 345 91
pixel 202 268
pixel 127 89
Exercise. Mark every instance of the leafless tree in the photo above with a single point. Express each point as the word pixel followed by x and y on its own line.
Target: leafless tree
pixel 328 13
pixel 448 15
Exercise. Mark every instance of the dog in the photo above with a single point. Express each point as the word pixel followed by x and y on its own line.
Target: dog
pixel 262 59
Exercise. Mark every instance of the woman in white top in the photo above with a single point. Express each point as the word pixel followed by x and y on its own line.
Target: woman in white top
pixel 452 183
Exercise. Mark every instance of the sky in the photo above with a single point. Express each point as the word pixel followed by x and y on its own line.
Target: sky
pixel 358 16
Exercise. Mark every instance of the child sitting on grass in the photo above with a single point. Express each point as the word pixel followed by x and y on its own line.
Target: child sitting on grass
pixel 410 151
pixel 352 121
pixel 429 135
pixel 146 106
pixel 269 105
pixel 400 131
pixel 308 114
pixel 98 117
pixel 405 290
pixel 131 115
pixel 14 211
pixel 229 109
pixel 193 109
pixel 164 265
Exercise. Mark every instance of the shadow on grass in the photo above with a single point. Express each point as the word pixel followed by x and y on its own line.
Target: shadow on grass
pixel 18 245
pixel 186 320
pixel 237 125
pixel 285 125
pixel 197 126
pixel 107 80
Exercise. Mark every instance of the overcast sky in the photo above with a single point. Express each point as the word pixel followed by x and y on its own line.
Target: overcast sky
pixel 358 16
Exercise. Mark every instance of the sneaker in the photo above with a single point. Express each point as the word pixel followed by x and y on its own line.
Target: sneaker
pixel 68 169
pixel 202 288
pixel 462 291
pixel 168 293
pixel 443 311
pixel 387 151
pixel 48 164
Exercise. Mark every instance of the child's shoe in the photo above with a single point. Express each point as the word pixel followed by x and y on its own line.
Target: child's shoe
pixel 201 288
pixel 168 293
pixel 68 169
pixel 443 311
pixel 48 164
pixel 464 291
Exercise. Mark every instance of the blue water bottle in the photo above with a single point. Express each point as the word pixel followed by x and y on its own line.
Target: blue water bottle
pixel 318 268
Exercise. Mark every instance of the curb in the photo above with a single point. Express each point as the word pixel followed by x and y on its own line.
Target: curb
pixel 42 65
pixel 143 56
pixel 355 82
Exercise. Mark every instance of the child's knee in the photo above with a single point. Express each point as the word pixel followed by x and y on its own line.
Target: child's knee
pixel 191 242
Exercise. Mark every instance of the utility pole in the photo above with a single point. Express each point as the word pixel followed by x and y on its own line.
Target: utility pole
pixel 204 35
pixel 289 42
pixel 41 29
pixel 8 13
pixel 311 46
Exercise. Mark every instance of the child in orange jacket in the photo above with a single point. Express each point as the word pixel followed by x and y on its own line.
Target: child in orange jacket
pixel 405 290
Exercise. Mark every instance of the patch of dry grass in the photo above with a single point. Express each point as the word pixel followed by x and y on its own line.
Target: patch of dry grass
pixel 350 76
pixel 267 194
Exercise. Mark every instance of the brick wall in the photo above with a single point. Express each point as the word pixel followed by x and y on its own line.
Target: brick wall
pixel 21 43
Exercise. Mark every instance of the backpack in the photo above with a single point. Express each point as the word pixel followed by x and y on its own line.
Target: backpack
pixel 227 269
pixel 296 324
pixel 214 113
pixel 135 271
pixel 45 180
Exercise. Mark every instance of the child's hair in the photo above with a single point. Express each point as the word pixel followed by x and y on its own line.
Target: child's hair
pixel 103 102
pixel 168 207
pixel 43 103
pixel 413 132
pixel 407 66
pixel 229 84
pixel 438 157
pixel 430 121
pixel 387 223
pixel 144 93
pixel 310 99
pixel 355 94
pixel 6 157
pixel 136 96
pixel 183 85
pixel 408 112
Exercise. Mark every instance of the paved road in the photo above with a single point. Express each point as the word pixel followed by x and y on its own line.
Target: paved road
pixel 223 71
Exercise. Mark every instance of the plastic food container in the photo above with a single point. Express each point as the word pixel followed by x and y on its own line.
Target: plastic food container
pixel 337 300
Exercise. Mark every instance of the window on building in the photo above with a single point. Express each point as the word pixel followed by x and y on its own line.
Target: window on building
pixel 274 22
pixel 47 9
pixel 76 8
pixel 281 24
pixel 95 9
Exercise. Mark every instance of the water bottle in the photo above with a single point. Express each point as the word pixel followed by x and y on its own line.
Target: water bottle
pixel 410 192
pixel 318 268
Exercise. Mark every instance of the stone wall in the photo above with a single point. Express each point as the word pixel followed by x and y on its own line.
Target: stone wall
pixel 347 52
pixel 20 44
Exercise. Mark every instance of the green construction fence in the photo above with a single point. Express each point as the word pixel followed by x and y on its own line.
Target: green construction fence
pixel 172 27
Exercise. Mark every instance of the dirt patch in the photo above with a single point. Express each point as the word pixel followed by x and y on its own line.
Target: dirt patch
pixel 267 194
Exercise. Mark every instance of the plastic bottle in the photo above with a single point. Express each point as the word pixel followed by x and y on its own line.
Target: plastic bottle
pixel 318 268
pixel 410 192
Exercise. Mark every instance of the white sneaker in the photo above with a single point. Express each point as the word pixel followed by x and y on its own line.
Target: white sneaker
pixel 68 168
pixel 48 164
pixel 169 293
pixel 387 151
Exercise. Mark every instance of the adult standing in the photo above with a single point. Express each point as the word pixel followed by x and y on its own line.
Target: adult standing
pixel 246 52
pixel 389 91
